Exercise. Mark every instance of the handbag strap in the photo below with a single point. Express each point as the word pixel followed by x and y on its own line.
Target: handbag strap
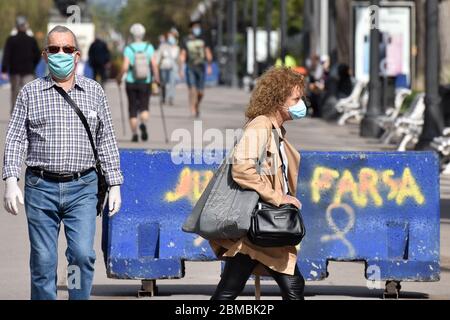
pixel 83 119
pixel 283 165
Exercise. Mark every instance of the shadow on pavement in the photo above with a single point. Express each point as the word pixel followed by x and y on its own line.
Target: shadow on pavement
pixel 268 290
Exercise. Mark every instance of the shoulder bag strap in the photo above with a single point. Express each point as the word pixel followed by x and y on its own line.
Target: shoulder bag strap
pixel 283 166
pixel 83 119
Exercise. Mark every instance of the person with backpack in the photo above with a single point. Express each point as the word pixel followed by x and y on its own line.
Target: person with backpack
pixel 139 63
pixel 195 53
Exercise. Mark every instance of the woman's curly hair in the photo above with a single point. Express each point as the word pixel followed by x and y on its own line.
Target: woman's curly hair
pixel 272 90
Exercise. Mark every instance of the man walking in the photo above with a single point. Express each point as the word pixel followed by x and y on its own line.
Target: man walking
pixel 61 184
pixel 195 54
pixel 20 58
pixel 99 60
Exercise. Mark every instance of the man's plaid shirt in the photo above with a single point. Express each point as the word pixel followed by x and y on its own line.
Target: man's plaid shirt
pixel 44 125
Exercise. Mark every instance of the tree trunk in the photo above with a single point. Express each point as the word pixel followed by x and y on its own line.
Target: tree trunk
pixel 343 25
pixel 419 81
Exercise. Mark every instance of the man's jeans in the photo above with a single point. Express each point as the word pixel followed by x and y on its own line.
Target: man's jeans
pixel 47 204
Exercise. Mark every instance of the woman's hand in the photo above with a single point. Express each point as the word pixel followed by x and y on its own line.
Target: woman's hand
pixel 292 200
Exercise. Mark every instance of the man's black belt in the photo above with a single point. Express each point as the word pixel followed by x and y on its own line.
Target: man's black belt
pixel 57 177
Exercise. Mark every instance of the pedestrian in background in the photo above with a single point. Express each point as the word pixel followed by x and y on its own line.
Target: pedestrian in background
pixel 138 63
pixel 173 40
pixel 61 182
pixel 316 84
pixel 195 54
pixel 167 57
pixel 20 58
pixel 99 60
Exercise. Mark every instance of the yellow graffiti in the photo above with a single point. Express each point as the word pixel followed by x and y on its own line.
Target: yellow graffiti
pixel 322 180
pixel 368 183
pixel 191 185
pixel 346 185
pixel 393 184
pixel 368 180
pixel 409 189
pixel 367 188
pixel 401 189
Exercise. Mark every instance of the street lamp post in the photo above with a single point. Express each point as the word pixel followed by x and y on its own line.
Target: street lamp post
pixel 283 11
pixel 268 9
pixel 255 33
pixel 434 119
pixel 369 126
pixel 231 36
pixel 307 9
pixel 220 16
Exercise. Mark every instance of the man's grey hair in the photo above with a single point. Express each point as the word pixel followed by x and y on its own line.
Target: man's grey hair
pixel 62 29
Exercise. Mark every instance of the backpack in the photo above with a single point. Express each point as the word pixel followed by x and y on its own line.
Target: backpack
pixel 141 67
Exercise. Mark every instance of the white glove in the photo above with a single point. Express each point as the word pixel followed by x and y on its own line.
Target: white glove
pixel 115 200
pixel 12 192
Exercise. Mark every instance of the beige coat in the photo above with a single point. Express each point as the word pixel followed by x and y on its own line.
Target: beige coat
pixel 257 138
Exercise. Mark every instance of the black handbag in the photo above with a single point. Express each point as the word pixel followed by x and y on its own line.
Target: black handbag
pixel 102 184
pixel 273 226
pixel 276 226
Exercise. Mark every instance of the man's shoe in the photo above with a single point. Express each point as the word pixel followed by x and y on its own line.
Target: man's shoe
pixel 135 138
pixel 144 134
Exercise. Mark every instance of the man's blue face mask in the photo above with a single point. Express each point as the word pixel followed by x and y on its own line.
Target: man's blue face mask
pixel 298 111
pixel 197 31
pixel 61 65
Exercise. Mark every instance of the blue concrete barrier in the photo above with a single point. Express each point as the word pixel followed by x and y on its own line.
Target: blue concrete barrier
pixel 381 208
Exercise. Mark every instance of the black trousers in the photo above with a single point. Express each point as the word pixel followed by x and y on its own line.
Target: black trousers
pixel 239 269
pixel 138 98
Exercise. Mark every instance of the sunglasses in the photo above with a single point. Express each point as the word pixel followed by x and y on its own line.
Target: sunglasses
pixel 65 49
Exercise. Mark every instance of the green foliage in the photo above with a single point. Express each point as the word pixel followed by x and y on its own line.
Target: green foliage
pixel 294 14
pixel 157 16
pixel 408 101
pixel 36 12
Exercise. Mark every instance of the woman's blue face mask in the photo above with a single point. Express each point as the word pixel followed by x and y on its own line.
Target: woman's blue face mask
pixel 172 41
pixel 61 65
pixel 298 111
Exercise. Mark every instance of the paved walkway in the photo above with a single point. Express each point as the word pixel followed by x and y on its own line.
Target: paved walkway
pixel 223 109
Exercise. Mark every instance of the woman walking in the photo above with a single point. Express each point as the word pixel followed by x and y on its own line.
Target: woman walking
pixel 167 57
pixel 277 98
